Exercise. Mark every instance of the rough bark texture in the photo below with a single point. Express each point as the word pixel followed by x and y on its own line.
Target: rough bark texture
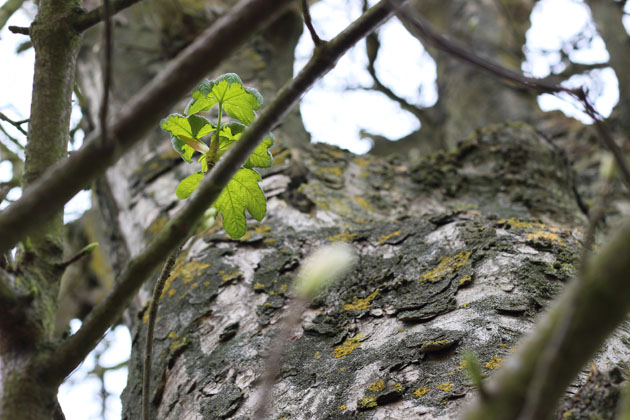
pixel 459 251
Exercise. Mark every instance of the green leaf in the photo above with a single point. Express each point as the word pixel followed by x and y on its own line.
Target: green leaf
pixel 186 132
pixel 261 156
pixel 238 101
pixel 242 193
pixel 188 185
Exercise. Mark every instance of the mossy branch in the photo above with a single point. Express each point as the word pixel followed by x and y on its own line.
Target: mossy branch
pixel 7 10
pixel 71 352
pixel 47 196
pixel 604 290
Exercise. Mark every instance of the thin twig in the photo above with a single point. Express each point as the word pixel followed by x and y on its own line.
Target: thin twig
pixel 87 250
pixel 99 14
pixel 148 347
pixel 13 139
pixel 274 360
pixel 309 24
pixel 20 30
pixel 71 352
pixel 107 68
pixel 423 30
pixel 16 124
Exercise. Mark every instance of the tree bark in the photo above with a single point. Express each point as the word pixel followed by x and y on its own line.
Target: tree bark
pixel 458 252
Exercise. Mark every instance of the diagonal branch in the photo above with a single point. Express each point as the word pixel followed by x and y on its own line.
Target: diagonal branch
pixel 59 184
pixel 16 124
pixel 95 16
pixel 70 353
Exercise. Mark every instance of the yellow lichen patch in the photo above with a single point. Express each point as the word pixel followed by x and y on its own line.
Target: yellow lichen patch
pixel 206 283
pixel 446 387
pixel 377 386
pixel 363 203
pixel 322 204
pixel 542 236
pixel 537 232
pixel 505 346
pixel 360 304
pixel 258 286
pixel 316 355
pixel 171 292
pixel 446 267
pixel 464 281
pixel 398 386
pixel 348 346
pixel 462 365
pixel 342 407
pixel 269 241
pixel 421 391
pixel 389 236
pixel 362 162
pixel 342 237
pixel 186 271
pixel 195 284
pixel 176 344
pixel 232 275
pixel 494 363
pixel 172 334
pixel 335 171
pixel 367 402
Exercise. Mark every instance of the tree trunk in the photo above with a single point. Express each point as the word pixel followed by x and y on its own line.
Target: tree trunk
pixel 457 252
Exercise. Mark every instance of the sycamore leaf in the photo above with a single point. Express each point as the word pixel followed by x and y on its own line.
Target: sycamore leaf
pixel 237 100
pixel 186 132
pixel 188 185
pixel 241 193
pixel 260 157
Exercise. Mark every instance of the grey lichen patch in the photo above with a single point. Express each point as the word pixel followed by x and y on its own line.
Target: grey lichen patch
pixel 223 403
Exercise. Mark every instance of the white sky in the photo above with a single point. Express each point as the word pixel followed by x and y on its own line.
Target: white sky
pixel 333 111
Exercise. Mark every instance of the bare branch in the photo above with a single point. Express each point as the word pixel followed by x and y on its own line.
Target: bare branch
pixel 148 348
pixel 95 16
pixel 16 124
pixel 70 353
pixel 107 69
pixel 7 10
pixel 20 30
pixel 309 24
pixel 47 196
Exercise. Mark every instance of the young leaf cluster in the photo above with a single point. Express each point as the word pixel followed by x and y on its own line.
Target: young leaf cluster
pixel 193 133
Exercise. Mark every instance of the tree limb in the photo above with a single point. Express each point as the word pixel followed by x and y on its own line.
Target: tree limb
pixel 16 124
pixel 71 352
pixel 95 16
pixel 61 182
pixel 604 290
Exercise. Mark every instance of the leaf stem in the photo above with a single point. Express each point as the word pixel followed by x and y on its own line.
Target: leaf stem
pixel 214 144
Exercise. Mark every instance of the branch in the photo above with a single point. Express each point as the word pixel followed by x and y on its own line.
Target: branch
pixel 47 196
pixel 71 352
pixel 148 349
pixel 7 10
pixel 20 30
pixel 107 69
pixel 309 24
pixel 423 31
pixel 604 290
pixel 16 124
pixel 95 16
